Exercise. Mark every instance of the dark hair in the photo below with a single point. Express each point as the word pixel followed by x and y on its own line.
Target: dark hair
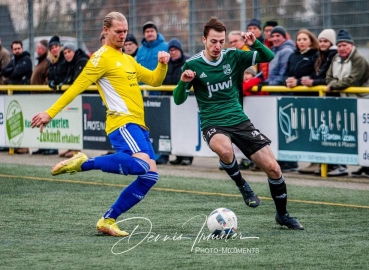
pixel 312 37
pixel 214 24
pixel 17 42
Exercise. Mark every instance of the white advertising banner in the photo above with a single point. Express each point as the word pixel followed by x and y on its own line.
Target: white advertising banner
pixel 2 121
pixel 363 131
pixel 64 131
pixel 262 111
pixel 185 130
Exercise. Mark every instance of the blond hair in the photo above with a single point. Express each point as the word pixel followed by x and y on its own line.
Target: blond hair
pixel 108 20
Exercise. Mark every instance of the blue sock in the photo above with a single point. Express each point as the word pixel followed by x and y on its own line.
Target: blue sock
pixel 119 163
pixel 132 194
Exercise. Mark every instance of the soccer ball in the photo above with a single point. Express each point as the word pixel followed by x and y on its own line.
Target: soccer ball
pixel 222 221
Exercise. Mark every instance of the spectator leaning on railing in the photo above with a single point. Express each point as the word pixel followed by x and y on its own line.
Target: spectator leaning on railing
pixel 348 68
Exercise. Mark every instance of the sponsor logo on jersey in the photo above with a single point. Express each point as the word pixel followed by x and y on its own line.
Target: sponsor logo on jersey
pixel 227 69
pixel 219 86
pixel 203 75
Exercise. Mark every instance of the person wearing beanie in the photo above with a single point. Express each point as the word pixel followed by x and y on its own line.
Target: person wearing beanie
pixel 254 26
pixel 152 43
pixel 54 40
pixel 282 49
pixel 327 50
pixel 280 30
pixel 344 36
pixel 57 70
pixel 131 45
pixel 348 67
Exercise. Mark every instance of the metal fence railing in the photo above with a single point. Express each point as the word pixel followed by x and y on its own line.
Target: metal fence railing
pixel 183 19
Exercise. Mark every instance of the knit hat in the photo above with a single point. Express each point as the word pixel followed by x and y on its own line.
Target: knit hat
pixel 174 43
pixel 270 23
pixel 69 46
pixel 254 22
pixel 328 34
pixel 149 24
pixel 343 36
pixel 251 70
pixel 280 30
pixel 131 38
pixel 54 40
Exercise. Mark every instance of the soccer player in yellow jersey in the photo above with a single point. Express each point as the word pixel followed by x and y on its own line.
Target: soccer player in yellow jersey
pixel 116 75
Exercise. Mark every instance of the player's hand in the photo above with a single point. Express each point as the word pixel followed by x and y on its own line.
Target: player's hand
pixel 163 57
pixel 40 120
pixel 248 37
pixel 188 75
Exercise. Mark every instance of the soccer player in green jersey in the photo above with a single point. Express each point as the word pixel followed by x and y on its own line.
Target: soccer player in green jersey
pixel 215 74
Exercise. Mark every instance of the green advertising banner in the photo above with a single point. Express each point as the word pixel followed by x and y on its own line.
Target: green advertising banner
pixel 320 130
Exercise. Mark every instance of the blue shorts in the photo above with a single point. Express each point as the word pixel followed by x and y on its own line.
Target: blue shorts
pixel 131 139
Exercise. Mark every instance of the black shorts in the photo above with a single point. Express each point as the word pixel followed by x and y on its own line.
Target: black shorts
pixel 244 135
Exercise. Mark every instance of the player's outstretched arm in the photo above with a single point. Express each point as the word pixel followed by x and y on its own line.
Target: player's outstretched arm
pixel 180 92
pixel 40 120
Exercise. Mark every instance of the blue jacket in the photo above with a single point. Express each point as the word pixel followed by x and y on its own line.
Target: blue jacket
pixel 278 65
pixel 147 54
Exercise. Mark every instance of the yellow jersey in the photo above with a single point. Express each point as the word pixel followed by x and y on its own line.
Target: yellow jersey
pixel 116 76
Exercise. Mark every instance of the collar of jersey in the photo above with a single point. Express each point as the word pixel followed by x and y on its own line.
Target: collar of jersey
pixel 210 62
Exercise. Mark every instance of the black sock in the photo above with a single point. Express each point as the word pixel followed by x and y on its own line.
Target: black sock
pixel 233 172
pixel 278 190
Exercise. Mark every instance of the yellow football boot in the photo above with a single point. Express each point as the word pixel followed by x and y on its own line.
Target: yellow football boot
pixel 71 165
pixel 109 226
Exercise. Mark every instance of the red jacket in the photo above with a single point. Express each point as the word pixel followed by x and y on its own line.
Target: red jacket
pixel 247 86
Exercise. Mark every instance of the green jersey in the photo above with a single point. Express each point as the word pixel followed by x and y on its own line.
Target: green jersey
pixel 216 84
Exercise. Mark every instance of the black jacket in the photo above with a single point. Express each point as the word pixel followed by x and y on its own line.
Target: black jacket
pixel 75 67
pixel 319 77
pixel 300 65
pixel 19 69
pixel 57 72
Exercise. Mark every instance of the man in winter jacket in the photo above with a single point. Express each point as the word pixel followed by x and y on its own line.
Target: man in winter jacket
pixel 348 67
pixel 152 43
pixel 19 69
pixel 39 75
pixel 282 49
